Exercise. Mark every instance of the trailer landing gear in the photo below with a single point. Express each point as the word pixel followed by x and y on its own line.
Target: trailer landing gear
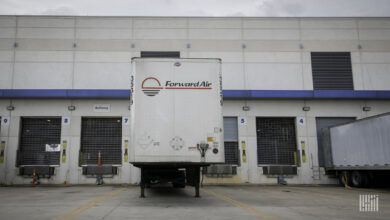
pixel 142 184
pixel 177 177
pixel 197 181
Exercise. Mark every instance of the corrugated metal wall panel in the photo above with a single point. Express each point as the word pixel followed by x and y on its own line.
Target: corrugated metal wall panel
pixel 332 70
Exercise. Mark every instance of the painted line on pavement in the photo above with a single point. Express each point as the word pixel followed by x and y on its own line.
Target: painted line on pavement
pixel 243 206
pixel 84 207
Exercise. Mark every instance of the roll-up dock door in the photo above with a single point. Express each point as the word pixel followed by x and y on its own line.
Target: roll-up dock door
pixel 231 140
pixel 101 136
pixel 232 154
pixel 39 145
pixel 276 145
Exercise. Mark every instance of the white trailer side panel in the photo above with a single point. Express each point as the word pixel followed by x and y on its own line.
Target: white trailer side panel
pixel 176 104
pixel 363 143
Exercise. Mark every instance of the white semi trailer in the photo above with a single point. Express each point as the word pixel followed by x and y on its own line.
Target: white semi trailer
pixel 358 152
pixel 176 119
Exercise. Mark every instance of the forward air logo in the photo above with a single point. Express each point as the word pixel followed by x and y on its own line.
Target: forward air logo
pixel 151 86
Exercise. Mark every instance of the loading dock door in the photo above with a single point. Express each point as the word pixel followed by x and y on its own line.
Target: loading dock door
pixel 276 141
pixel 102 135
pixel 325 123
pixel 231 140
pixel 39 141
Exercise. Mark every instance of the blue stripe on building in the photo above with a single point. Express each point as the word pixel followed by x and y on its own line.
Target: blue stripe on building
pixel 228 94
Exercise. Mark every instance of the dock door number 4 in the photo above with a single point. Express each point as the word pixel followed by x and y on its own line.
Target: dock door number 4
pixel 5 121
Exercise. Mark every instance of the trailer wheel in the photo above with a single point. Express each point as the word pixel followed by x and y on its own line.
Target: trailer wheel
pixel 359 179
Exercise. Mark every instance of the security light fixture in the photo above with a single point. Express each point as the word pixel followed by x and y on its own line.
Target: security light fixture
pixel 71 108
pixel 188 45
pixel 245 108
pixel 366 108
pixel 10 108
pixel 306 108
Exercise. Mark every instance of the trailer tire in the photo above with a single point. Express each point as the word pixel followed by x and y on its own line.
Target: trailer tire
pixel 359 179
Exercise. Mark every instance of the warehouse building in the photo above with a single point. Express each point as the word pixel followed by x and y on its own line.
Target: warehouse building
pixel 64 91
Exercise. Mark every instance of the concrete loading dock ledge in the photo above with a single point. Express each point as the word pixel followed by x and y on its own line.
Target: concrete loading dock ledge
pixel 60 72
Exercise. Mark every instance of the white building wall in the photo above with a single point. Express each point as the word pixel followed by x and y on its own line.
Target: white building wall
pixel 272 57
pixel 257 53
